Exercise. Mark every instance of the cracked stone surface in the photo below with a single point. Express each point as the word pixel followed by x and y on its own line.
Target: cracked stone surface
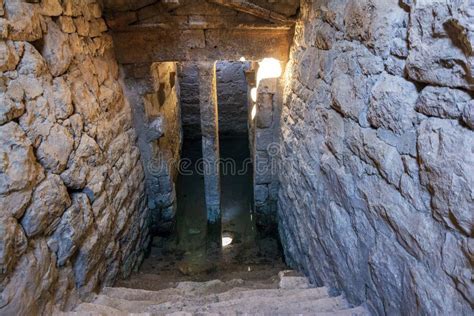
pixel 376 169
pixel 69 168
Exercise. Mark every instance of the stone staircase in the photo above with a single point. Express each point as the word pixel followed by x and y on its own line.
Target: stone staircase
pixel 292 296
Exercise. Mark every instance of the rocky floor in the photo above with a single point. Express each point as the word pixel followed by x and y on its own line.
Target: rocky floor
pixel 287 294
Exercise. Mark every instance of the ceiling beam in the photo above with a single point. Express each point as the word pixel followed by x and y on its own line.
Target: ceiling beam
pixel 255 10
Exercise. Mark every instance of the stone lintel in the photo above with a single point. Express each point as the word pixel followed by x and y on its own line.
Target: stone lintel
pixel 144 45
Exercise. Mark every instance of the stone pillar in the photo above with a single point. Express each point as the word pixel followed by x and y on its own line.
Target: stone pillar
pixel 210 149
pixel 265 154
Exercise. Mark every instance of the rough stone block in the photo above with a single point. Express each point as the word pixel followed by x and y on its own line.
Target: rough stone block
pixel 468 114
pixel 447 169
pixel 19 170
pixel 442 102
pixel 74 224
pixel 261 194
pixel 264 110
pixel 56 49
pixel 13 245
pixel 392 104
pixel 49 201
pixel 24 20
pixel 263 138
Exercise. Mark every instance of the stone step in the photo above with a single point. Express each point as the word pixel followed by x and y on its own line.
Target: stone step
pixel 294 295
pixel 356 311
pixel 290 279
pixel 236 292
pixel 231 300
pixel 297 305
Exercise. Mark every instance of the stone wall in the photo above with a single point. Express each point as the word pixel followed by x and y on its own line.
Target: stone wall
pixel 153 93
pixel 377 170
pixel 72 212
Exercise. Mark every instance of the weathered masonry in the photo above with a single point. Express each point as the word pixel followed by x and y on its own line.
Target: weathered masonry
pixel 356 116
pixel 196 33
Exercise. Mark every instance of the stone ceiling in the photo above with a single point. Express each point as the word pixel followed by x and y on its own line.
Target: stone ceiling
pixel 182 30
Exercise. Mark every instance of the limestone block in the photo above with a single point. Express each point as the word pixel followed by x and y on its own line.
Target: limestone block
pixel 37 121
pixel 19 170
pixel 456 264
pixel 15 91
pixel 468 114
pixel 261 194
pixel 95 10
pixel 13 244
pixel 155 129
pixel 116 148
pixel 8 56
pixel 325 35
pixel 50 200
pixel 395 66
pixel 263 138
pixel 10 109
pixel 392 104
pixel 36 275
pixel 56 50
pixel 85 102
pixel 350 95
pixel 4 26
pixel 264 116
pixel 66 24
pixel 71 8
pixel 374 23
pixel 405 143
pixel 32 87
pixel 62 99
pixel 434 57
pixel 51 8
pixel 97 26
pixel 447 169
pixel 24 20
pixel 442 102
pixel 82 26
pixel 53 152
pixel 74 225
pixel 263 166
pixel 32 63
pixel 366 145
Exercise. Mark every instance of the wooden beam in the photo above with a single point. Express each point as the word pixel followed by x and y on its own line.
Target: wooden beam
pixel 256 10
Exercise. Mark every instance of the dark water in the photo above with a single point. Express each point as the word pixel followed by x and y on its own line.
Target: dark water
pixel 236 197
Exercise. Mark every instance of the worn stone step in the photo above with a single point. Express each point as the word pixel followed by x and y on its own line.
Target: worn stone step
pixel 91 309
pixel 231 298
pixel 169 294
pixel 290 279
pixel 181 288
pixel 236 292
pixel 296 305
pixel 356 311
